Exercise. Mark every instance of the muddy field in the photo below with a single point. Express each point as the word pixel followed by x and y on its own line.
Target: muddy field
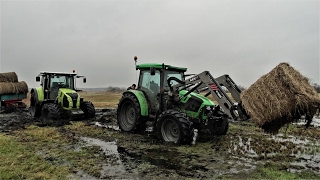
pixel 243 153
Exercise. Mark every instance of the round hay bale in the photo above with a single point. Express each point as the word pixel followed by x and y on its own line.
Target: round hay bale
pixel 8 77
pixel 7 88
pixel 279 97
pixel 21 87
pixel 13 88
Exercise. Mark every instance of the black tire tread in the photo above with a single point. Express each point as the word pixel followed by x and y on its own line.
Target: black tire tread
pixel 88 109
pixel 187 129
pixel 140 125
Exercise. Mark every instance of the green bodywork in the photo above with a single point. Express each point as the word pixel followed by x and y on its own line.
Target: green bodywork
pixel 63 93
pixel 142 101
pixel 159 66
pixel 205 102
pixel 40 94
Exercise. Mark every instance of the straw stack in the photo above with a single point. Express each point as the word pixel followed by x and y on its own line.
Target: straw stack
pixel 9 84
pixel 8 77
pixel 280 97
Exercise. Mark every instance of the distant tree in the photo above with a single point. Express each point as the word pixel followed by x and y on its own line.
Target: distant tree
pixel 115 89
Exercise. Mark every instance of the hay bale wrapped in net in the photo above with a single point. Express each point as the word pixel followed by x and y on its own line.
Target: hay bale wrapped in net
pixel 8 77
pixel 13 88
pixel 280 97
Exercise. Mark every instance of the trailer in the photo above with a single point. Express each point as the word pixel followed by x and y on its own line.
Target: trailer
pixel 12 100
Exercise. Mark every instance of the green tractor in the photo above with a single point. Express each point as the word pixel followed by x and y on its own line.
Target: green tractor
pixel 178 108
pixel 57 99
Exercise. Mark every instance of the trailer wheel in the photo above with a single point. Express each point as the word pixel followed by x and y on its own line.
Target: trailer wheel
pixel 88 109
pixel 34 108
pixel 128 114
pixel 51 114
pixel 174 126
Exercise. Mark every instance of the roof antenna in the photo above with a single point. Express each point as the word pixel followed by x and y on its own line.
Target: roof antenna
pixel 135 64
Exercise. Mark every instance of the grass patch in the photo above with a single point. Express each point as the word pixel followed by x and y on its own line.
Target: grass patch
pixel 19 161
pixel 102 99
pixel 46 153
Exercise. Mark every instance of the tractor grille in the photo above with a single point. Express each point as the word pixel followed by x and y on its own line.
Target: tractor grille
pixel 74 97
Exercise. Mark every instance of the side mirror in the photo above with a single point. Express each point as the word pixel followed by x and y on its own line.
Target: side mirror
pixel 37 79
pixel 84 80
pixel 152 71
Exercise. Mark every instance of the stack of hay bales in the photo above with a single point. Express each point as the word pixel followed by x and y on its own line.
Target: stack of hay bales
pixel 9 84
pixel 280 97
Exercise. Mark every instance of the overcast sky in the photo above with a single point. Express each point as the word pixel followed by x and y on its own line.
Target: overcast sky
pixel 243 38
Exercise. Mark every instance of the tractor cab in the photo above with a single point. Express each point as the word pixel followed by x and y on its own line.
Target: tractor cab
pixel 153 81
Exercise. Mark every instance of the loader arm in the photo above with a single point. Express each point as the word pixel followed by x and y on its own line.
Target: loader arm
pixel 205 83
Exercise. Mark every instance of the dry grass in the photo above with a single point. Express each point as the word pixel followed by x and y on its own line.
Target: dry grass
pixel 102 99
pixel 99 99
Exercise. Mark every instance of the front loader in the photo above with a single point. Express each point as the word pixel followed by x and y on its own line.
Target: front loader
pixel 56 99
pixel 178 108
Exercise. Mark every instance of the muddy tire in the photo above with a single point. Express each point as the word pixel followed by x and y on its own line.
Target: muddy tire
pixel 128 114
pixel 51 114
pixel 35 109
pixel 88 109
pixel 174 126
pixel 221 126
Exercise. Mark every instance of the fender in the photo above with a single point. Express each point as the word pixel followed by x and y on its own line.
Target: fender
pixel 142 101
pixel 39 94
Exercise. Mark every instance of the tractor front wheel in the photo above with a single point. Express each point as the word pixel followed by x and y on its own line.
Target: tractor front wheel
pixel 88 109
pixel 128 114
pixel 174 126
pixel 221 126
pixel 34 108
pixel 51 114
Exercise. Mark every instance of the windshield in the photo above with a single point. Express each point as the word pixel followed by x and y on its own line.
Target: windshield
pixel 61 81
pixel 168 74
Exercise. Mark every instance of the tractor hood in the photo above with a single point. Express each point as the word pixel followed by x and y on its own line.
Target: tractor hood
pixel 205 101
pixel 68 98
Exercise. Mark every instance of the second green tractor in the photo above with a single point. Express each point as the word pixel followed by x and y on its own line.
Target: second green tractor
pixel 178 107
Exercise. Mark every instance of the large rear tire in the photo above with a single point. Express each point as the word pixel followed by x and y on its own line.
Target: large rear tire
pixel 35 109
pixel 128 114
pixel 51 114
pixel 88 109
pixel 174 126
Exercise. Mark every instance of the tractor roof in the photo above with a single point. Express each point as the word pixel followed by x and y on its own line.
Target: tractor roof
pixel 58 73
pixel 159 66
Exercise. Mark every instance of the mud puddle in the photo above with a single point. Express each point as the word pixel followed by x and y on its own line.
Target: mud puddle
pixel 315 121
pixel 113 166
pixel 300 153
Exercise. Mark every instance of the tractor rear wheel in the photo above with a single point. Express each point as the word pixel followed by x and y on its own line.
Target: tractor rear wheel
pixel 34 108
pixel 174 126
pixel 128 114
pixel 88 109
pixel 51 114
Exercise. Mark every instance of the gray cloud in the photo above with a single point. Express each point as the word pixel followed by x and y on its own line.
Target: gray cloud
pixel 245 39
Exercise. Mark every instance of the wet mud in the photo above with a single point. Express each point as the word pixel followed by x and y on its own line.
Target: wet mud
pixel 242 151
